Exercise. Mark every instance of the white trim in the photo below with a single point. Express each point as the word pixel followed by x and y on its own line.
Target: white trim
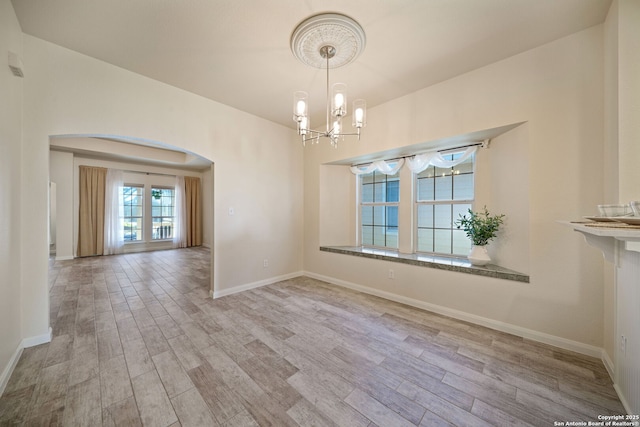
pixel 542 337
pixel 26 342
pixel 37 340
pixel 608 364
pixel 64 258
pixel 253 285
pixel 624 402
pixel 207 245
pixel 6 374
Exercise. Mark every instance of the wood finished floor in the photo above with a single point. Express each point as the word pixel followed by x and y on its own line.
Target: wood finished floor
pixel 136 340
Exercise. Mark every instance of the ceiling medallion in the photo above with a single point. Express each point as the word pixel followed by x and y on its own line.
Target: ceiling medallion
pixel 328 40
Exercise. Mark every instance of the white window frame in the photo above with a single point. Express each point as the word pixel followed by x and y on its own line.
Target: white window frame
pixel 142 218
pixel 417 203
pixel 374 204
pixel 152 216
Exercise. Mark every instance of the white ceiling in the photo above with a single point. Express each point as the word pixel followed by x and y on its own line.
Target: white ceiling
pixel 237 51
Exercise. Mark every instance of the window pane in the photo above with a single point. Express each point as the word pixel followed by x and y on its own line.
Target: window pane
pixel 367 235
pixel 392 216
pixel 425 216
pixel 162 228
pixel 156 211
pixel 443 188
pixel 425 240
pixel 133 229
pixel 461 243
pixel 463 187
pixel 393 190
pixel 367 215
pixel 460 209
pixel 379 194
pixel 442 241
pixel 425 189
pixel 367 193
pixel 442 217
pixel 379 236
pixel 466 166
pixel 392 237
pixel 378 215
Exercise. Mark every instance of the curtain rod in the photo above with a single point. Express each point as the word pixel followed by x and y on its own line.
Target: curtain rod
pixel 483 144
pixel 148 173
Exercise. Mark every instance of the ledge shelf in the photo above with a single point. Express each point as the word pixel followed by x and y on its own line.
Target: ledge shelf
pixel 440 263
pixel 604 237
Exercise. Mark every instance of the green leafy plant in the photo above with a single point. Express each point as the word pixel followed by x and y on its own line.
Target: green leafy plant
pixel 156 194
pixel 480 227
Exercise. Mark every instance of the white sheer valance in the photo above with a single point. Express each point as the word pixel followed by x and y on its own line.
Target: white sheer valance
pixel 386 167
pixel 416 164
pixel 420 162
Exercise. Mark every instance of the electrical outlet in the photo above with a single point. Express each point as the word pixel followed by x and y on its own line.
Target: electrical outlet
pixel 265 263
pixel 392 275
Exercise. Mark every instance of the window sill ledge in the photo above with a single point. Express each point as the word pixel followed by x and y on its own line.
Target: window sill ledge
pixel 441 263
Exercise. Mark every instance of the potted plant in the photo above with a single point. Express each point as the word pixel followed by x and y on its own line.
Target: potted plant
pixel 480 227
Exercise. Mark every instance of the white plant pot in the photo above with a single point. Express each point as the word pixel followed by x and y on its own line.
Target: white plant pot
pixel 479 255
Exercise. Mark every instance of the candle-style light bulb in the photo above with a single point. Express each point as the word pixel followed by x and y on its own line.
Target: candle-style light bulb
pixel 300 107
pixel 359 115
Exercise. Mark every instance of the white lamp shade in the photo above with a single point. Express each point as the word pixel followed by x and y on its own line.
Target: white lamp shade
pixel 339 100
pixel 300 105
pixel 359 113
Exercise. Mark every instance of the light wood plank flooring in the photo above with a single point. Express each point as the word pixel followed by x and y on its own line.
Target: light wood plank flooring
pixel 136 340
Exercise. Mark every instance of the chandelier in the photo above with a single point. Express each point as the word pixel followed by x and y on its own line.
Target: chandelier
pixel 328 40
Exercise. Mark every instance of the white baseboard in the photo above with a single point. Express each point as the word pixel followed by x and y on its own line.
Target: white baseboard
pixel 64 258
pixel 207 245
pixel 608 364
pixel 27 342
pixel 8 370
pixel 623 400
pixel 37 340
pixel 542 337
pixel 260 283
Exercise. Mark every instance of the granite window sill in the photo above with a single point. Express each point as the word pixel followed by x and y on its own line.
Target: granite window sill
pixel 441 263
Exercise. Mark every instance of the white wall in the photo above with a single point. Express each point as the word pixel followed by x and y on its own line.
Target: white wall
pixel 61 172
pixel 207 207
pixel 557 89
pixel 628 104
pixel 257 162
pixel 10 188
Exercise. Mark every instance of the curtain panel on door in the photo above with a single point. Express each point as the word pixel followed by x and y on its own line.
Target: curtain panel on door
pixel 91 215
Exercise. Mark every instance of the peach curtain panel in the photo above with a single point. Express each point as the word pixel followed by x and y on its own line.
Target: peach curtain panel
pixel 91 219
pixel 193 201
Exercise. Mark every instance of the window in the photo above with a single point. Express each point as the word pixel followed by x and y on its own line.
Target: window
pixel 442 194
pixel 133 200
pixel 380 195
pixel 162 207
